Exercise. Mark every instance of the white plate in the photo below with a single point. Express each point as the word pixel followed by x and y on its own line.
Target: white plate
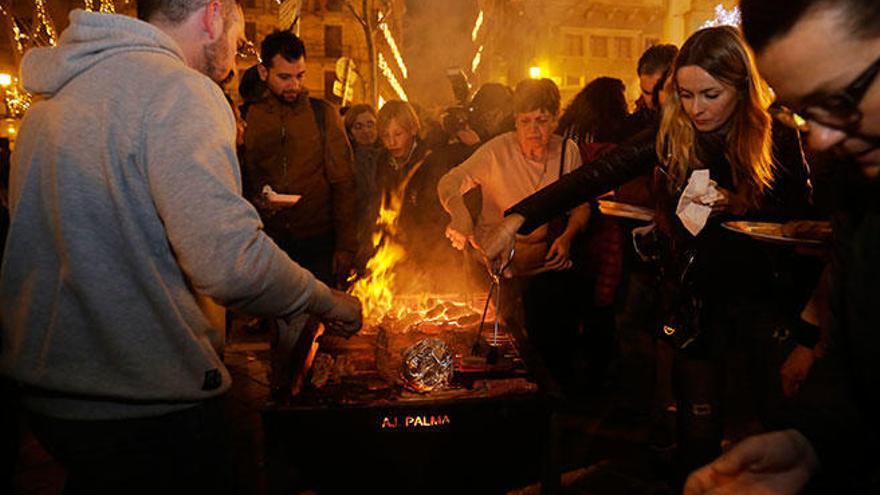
pixel 278 198
pixel 768 231
pixel 624 210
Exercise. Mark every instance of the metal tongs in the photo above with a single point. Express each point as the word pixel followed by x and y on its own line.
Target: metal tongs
pixel 496 273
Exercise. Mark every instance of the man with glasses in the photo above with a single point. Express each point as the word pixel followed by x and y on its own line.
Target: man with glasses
pixel 821 58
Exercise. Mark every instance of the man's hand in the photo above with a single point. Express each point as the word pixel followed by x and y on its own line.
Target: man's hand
pixel 794 370
pixel 776 463
pixel 559 255
pixel 345 316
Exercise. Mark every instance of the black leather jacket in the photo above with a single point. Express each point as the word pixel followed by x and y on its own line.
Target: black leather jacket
pixel 789 197
pixel 631 159
pixel 729 263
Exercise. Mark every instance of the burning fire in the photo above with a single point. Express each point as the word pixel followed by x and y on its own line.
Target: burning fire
pixel 382 298
pixel 376 290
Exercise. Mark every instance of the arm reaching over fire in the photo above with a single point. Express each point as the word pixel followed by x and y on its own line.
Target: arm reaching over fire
pixel 612 169
pixel 499 243
pixel 450 190
pixel 341 312
pixel 460 230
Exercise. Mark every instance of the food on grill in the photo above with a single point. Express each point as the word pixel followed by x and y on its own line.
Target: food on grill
pixel 807 229
pixel 468 319
pixel 408 357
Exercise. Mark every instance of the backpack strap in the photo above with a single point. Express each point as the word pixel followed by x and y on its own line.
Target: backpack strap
pixel 319 109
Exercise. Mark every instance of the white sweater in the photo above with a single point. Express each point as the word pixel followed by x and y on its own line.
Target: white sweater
pixel 506 177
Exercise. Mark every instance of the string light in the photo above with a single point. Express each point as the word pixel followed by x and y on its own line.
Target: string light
pixel 477 58
pixel 394 51
pixel 47 27
pixel 724 17
pixel 107 6
pixel 17 101
pixel 392 79
pixel 477 27
pixel 18 34
pixel 19 37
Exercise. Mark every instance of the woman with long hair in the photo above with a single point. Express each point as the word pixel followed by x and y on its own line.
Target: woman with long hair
pixel 717 92
pixel 724 286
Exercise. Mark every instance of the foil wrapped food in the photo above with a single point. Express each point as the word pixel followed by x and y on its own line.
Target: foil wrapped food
pixel 427 366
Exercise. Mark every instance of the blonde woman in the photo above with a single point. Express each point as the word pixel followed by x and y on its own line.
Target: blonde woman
pixel 714 118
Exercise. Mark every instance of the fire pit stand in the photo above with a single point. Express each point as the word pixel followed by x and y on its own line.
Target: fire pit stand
pixel 357 429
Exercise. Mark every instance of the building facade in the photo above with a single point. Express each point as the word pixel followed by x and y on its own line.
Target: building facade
pixel 331 32
pixel 573 42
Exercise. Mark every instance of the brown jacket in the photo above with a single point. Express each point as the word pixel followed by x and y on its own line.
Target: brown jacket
pixel 283 149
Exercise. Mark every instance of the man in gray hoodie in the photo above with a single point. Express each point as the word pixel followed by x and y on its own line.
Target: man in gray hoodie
pixel 126 214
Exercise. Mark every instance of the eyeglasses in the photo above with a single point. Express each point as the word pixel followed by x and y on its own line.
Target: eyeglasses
pixel 838 110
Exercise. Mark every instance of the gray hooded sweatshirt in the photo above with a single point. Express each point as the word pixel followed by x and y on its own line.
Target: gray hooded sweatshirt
pixel 126 208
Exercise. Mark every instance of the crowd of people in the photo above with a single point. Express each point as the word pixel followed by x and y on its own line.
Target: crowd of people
pixel 143 205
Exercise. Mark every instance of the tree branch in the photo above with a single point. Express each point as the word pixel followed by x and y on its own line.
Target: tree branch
pixel 361 19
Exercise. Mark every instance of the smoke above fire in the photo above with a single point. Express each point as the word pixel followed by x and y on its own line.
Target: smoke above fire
pixel 437 37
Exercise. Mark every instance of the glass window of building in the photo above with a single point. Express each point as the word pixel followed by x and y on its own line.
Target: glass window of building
pixel 599 46
pixel 333 41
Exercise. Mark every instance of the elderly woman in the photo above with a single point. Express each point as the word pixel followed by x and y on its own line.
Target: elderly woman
pixel 507 169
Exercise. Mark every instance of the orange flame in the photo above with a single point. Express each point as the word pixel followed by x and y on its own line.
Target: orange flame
pixel 376 290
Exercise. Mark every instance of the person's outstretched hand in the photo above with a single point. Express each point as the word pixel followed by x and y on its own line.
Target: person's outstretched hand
pixel 460 234
pixel 345 317
pixel 776 463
